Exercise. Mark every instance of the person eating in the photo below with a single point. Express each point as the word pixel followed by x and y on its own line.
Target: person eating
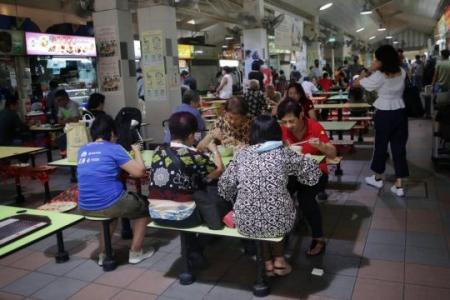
pixel 309 136
pixel 296 92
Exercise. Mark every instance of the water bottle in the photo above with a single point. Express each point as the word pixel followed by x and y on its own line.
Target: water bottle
pixel 340 92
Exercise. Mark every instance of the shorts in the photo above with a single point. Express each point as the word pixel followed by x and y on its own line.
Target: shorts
pixel 130 205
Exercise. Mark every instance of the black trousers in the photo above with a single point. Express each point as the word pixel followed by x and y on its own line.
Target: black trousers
pixel 391 127
pixel 306 196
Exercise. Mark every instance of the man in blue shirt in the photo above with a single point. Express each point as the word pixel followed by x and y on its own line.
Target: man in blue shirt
pixel 188 80
pixel 190 103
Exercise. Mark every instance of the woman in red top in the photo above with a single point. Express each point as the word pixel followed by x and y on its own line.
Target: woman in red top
pixel 296 92
pixel 325 83
pixel 296 128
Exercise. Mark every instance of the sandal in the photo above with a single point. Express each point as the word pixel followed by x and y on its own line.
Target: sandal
pixel 322 244
pixel 282 271
pixel 269 270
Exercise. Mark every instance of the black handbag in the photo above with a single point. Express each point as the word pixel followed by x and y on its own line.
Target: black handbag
pixel 211 206
pixel 411 98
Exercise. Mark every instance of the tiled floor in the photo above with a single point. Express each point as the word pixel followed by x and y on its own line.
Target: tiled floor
pixel 379 247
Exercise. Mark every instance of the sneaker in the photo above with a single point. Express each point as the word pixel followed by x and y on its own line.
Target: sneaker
pixel 101 259
pixel 373 182
pixel 137 257
pixel 399 192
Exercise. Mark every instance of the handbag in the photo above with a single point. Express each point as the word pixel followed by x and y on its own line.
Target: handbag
pixel 77 136
pixel 411 98
pixel 228 220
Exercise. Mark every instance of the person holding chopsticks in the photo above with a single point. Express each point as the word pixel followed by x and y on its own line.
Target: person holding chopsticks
pixel 307 136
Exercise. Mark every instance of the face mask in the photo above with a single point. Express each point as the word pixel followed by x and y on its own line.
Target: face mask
pixel 269 145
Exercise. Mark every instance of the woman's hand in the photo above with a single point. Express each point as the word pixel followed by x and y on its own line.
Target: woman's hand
pixel 136 147
pixel 213 147
pixel 316 143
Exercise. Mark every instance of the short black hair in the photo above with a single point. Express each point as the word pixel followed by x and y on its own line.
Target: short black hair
pixel 237 105
pixel 256 65
pixel 281 72
pixel 316 61
pixel 388 57
pixel 289 106
pixel 400 51
pixel 11 100
pixel 95 100
pixel 182 124
pixel 190 96
pixel 445 53
pixel 265 128
pixel 53 84
pixel 61 93
pixel 227 69
pixel 418 57
pixel 184 73
pixel 103 127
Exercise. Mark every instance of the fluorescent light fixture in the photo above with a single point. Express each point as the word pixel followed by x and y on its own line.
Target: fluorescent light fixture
pixel 326 6
pixel 388 37
pixel 198 51
pixel 360 29
pixel 191 22
pixel 224 46
pixel 395 42
pixel 229 63
pixel 229 38
pixel 332 39
pixel 366 9
pixel 372 37
pixel 381 28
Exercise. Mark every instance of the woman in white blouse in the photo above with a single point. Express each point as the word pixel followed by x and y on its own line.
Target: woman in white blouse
pixel 391 122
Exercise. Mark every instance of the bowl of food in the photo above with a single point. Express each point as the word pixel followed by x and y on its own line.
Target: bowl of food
pixel 225 150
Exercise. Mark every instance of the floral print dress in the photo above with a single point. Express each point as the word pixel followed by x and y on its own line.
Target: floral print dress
pixel 257 182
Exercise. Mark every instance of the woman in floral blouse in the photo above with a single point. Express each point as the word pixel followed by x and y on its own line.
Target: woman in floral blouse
pixel 256 180
pixel 255 99
pixel 233 128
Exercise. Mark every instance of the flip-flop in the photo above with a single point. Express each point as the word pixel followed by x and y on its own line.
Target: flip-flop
pixel 314 243
pixel 282 271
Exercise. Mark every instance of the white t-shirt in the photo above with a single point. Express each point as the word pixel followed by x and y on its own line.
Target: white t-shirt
pixel 309 88
pixel 227 91
pixel 390 90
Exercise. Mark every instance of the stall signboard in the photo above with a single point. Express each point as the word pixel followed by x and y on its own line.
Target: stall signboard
pixel 12 42
pixel 62 45
pixel 185 51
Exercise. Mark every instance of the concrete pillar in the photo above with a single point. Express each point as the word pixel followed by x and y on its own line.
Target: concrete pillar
pixel 255 40
pixel 112 22
pixel 158 22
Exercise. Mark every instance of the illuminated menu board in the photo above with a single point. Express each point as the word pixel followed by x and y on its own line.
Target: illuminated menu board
pixel 62 45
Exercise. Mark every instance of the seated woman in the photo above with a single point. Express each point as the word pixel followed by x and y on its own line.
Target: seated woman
pixel 255 99
pixel 178 171
pixel 102 194
pixel 325 82
pixel 231 129
pixel 296 92
pixel 263 206
pixel 297 128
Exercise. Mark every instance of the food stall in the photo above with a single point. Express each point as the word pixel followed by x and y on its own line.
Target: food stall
pixel 70 60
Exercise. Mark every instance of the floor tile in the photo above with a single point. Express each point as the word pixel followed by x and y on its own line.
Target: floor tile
pixel 95 291
pixel 85 250
pixel 8 296
pixel 224 291
pixel 334 264
pixel 10 259
pixel 368 289
pixel 433 228
pixel 425 240
pixel 151 282
pixel 87 271
pixel 421 204
pixel 382 270
pixel 427 256
pixel 60 269
pixel 170 262
pixel 386 237
pixel 32 261
pixel 416 292
pixel 8 275
pixel 29 284
pixel 388 224
pixel 423 216
pixel 384 252
pixel 195 291
pixel 427 275
pixel 390 213
pixel 345 248
pixel 121 277
pixel 334 286
pixel 61 288
pixel 133 295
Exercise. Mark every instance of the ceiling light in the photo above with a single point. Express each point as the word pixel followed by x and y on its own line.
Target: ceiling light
pixel 366 9
pixel 360 29
pixel 191 22
pixel 395 42
pixel 332 39
pixel 388 37
pixel 224 46
pixel 228 38
pixel 372 37
pixel 381 28
pixel 326 6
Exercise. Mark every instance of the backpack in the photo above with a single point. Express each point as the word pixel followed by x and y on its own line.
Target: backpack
pixel 411 98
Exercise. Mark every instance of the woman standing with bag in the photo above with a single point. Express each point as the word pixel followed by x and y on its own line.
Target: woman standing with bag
pixel 391 121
